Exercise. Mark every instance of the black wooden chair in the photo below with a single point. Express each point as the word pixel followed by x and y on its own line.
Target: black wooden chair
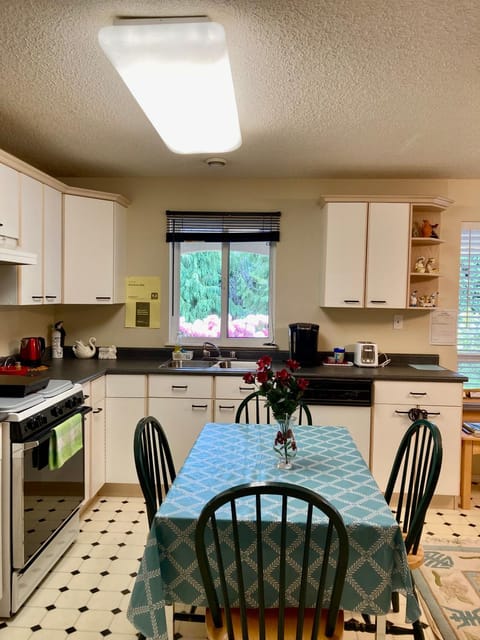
pixel 291 619
pixel 252 410
pixel 154 463
pixel 409 491
pixel 156 473
pixel 412 483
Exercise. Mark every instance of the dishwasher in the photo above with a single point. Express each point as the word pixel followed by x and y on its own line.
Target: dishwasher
pixel 342 403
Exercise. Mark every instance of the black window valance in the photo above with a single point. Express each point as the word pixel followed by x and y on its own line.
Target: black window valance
pixel 224 226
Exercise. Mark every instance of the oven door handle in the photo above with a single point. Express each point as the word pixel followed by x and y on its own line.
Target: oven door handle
pixel 29 444
pixel 32 444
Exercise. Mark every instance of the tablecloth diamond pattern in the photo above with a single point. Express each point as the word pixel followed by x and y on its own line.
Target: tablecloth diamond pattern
pixel 227 455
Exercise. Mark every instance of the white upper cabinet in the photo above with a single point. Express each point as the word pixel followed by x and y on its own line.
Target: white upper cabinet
pixel 94 251
pixel 52 245
pixel 364 254
pixel 41 234
pixel 9 204
pixel 31 207
pixel 388 242
pixel 343 251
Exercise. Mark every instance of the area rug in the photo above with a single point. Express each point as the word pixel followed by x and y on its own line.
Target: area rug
pixel 449 585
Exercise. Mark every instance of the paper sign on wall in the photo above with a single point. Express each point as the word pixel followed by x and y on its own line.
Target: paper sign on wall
pixel 443 326
pixel 142 307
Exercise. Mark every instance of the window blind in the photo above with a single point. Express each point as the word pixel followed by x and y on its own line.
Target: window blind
pixel 226 226
pixel 468 328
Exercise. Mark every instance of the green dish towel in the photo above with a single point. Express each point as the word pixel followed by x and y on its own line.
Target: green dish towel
pixel 66 439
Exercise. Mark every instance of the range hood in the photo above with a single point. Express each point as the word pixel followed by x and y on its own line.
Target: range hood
pixel 16 256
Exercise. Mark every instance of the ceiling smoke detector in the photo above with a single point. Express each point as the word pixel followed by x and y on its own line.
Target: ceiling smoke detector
pixel 216 162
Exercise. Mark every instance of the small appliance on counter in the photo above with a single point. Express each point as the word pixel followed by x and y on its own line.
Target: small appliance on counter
pixel 303 338
pixel 32 351
pixel 365 354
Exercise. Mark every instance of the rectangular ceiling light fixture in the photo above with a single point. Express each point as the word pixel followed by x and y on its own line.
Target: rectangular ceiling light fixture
pixel 179 72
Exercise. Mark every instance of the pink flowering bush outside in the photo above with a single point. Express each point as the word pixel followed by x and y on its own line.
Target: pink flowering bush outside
pixel 252 326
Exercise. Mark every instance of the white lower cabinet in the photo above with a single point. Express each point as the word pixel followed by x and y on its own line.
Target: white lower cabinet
pixel 98 436
pixel 182 404
pixel 229 393
pixel 94 437
pixel 356 419
pixel 393 400
pixel 126 405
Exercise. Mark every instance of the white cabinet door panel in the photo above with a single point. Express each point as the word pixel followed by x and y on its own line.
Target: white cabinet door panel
pixel 182 420
pixel 52 246
pixel 344 228
pixel 9 202
pixel 123 415
pixel 31 276
pixel 387 255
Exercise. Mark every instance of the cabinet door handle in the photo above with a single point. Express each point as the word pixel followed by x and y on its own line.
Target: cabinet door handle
pixel 378 301
pixel 97 410
pixel 246 388
pixel 179 386
pixel 226 407
pixel 37 298
pixel 352 301
pixel 200 406
pixel 51 297
pixel 102 297
pixel 418 393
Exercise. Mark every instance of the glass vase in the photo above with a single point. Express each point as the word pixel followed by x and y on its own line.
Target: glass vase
pixel 285 445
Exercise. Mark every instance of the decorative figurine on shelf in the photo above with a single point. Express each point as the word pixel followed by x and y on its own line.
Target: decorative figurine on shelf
pixel 431 266
pixel 432 299
pixel 428 229
pixel 420 265
pixel 422 301
pixel 413 298
pixel 415 230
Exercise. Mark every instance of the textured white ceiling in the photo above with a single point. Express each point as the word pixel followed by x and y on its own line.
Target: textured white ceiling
pixel 325 88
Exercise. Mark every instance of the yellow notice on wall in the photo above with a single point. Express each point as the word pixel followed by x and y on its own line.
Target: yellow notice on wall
pixel 143 302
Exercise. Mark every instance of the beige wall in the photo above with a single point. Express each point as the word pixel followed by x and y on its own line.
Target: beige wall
pixel 297 272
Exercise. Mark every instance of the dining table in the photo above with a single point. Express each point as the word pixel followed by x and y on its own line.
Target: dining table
pixel 226 455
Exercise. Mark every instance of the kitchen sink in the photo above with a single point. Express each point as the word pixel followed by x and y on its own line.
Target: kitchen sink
pixel 198 365
pixel 238 365
pixel 187 365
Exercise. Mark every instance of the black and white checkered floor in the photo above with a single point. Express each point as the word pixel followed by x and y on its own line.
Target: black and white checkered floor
pixel 86 595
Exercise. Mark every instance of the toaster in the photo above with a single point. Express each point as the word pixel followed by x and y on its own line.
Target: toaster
pixel 365 354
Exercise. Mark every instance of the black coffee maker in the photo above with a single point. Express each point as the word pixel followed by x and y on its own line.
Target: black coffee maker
pixel 303 338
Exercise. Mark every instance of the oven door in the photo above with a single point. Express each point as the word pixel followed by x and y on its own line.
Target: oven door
pixel 43 500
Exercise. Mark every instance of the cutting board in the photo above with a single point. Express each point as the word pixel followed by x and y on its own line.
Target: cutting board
pixel 20 386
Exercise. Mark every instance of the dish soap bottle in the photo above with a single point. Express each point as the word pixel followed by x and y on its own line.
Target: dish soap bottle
pixel 178 343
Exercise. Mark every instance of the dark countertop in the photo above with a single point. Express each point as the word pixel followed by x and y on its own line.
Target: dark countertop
pixel 79 370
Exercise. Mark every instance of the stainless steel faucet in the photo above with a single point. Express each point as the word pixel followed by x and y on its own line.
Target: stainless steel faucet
pixel 207 350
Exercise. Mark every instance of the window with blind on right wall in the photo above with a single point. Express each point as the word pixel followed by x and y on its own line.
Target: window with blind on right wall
pixel 468 328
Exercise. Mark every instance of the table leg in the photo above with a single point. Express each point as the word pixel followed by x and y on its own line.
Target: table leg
pixel 466 474
pixel 380 627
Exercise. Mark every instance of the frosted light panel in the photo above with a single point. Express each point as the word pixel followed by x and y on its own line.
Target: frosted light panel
pixel 179 73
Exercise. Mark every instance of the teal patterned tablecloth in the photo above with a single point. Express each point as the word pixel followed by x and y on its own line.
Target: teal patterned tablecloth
pixel 226 455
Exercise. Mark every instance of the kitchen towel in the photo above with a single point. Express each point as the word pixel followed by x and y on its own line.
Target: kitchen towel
pixel 65 441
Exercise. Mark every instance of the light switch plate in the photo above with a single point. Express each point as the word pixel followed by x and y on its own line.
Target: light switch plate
pixel 398 321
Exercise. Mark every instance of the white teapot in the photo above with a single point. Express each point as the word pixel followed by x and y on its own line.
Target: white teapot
pixel 82 350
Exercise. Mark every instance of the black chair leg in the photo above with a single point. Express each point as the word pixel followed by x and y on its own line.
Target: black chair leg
pixel 395 602
pixel 418 630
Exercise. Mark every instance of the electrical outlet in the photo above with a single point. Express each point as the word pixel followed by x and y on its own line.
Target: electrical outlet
pixel 398 322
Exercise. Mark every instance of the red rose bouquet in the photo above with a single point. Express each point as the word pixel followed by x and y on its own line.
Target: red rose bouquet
pixel 282 389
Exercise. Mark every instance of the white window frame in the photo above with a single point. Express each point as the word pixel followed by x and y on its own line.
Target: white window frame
pixel 468 362
pixel 223 341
